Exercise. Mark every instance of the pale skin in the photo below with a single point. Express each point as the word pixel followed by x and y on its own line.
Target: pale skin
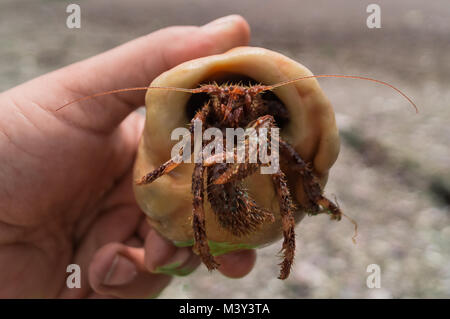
pixel 66 193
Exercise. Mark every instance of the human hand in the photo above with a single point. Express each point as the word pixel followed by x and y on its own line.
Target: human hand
pixel 66 193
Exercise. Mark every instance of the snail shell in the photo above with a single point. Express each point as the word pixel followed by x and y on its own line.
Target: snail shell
pixel 311 129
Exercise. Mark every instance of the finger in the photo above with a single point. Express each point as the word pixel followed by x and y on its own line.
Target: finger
pixel 123 151
pixel 118 270
pixel 132 242
pixel 181 261
pixel 190 265
pixel 161 256
pixel 237 264
pixel 117 221
pixel 135 63
pixel 144 228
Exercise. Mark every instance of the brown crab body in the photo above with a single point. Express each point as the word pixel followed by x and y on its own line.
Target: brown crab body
pixel 310 129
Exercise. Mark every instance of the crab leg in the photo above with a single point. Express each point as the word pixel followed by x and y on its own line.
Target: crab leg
pixel 177 160
pixel 160 171
pixel 236 211
pixel 311 185
pixel 287 209
pixel 198 218
pixel 239 171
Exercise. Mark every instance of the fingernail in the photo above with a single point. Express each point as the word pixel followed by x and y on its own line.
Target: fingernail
pixel 221 23
pixel 121 272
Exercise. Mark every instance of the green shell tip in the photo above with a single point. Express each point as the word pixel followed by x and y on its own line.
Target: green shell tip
pixel 217 248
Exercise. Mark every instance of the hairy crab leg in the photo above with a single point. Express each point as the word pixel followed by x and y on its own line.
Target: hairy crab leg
pixel 287 209
pixel 311 185
pixel 177 160
pixel 239 171
pixel 218 158
pixel 236 211
pixel 160 171
pixel 198 218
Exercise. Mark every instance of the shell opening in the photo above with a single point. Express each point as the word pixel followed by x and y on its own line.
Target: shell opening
pixel 196 101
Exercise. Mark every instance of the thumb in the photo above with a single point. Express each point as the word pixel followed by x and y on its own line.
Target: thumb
pixel 135 63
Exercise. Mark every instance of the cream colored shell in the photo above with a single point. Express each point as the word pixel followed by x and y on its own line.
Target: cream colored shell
pixel 311 130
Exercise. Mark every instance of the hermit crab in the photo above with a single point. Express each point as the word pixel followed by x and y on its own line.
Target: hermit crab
pixel 232 205
pixel 204 197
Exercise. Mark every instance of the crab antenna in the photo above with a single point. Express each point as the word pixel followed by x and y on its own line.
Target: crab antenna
pixel 355 225
pixel 84 98
pixel 274 86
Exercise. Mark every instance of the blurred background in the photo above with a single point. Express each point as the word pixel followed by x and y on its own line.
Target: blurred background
pixel 393 173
